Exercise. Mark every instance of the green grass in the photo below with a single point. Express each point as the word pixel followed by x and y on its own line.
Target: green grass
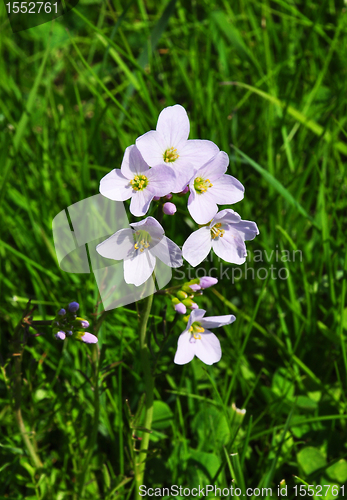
pixel 266 81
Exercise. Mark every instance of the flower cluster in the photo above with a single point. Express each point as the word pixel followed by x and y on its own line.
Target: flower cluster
pixel 66 323
pixel 163 163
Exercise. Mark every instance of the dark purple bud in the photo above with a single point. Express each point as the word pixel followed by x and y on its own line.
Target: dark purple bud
pixel 84 323
pixel 168 196
pixel 156 198
pixel 62 312
pixel 73 307
pixel 185 190
pixel 68 332
pixel 60 335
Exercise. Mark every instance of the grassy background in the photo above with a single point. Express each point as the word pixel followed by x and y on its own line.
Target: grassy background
pixel 70 102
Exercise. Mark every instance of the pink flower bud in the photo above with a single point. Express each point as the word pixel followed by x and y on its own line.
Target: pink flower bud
pixel 168 196
pixel 89 338
pixel 169 208
pixel 207 281
pixel 180 308
pixel 195 288
pixel 156 198
pixel 185 190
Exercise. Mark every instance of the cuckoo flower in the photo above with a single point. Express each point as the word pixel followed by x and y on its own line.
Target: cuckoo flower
pixel 197 340
pixel 225 234
pixel 169 145
pixel 137 181
pixel 138 247
pixel 209 186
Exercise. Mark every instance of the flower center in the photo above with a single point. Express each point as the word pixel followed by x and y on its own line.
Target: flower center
pixel 216 231
pixel 201 185
pixel 170 155
pixel 196 329
pixel 142 240
pixel 139 182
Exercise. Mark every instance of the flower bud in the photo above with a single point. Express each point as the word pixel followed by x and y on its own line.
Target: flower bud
pixel 68 332
pixel 207 281
pixel 156 198
pixel 61 312
pixel 189 303
pixel 73 307
pixel 60 335
pixel 168 196
pixel 195 288
pixel 185 191
pixel 182 295
pixel 86 337
pixel 169 208
pixel 180 308
pixel 84 323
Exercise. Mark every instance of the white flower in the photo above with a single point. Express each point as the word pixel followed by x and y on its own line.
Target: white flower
pixel 137 181
pixel 197 340
pixel 209 186
pixel 139 246
pixel 169 145
pixel 225 234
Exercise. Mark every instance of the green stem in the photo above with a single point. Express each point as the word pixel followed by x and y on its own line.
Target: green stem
pixel 149 387
pixel 17 390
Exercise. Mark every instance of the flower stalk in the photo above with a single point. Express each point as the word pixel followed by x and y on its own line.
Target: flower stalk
pixel 149 389
pixel 17 389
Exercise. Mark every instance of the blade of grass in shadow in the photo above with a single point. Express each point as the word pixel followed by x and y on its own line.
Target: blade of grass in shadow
pixel 278 186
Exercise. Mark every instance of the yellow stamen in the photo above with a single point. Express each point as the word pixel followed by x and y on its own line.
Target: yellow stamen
pixel 216 231
pixel 201 185
pixel 170 155
pixel 139 182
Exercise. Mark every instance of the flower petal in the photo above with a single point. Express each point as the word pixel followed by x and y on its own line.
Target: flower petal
pixel 184 171
pixel 226 216
pixel 227 190
pixel 167 251
pixel 161 180
pixel 185 349
pixel 215 167
pixel 118 246
pixel 208 348
pixel 230 247
pixel 197 152
pixel 140 202
pixel 149 223
pixel 173 125
pixel 217 321
pixel 115 186
pixel 201 206
pixel 197 246
pixel 152 146
pixel 133 163
pixel 138 268
pixel 248 229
